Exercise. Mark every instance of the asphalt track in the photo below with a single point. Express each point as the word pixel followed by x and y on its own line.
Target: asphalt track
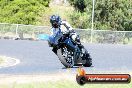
pixel 37 58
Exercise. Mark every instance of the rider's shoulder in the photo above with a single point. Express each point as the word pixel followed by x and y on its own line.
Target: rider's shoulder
pixel 64 22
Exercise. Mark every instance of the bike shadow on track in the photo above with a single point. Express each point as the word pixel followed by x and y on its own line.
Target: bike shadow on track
pixel 77 67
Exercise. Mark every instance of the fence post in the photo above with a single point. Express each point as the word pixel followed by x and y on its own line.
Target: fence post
pixel 91 40
pixel 17 30
pixel 92 21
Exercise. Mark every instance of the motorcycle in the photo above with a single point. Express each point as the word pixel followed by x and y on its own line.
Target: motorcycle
pixel 70 54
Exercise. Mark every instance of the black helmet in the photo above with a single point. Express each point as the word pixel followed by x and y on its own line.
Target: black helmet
pixel 55 21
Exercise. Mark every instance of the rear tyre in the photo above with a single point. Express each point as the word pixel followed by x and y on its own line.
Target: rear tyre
pixel 88 60
pixel 88 63
pixel 65 56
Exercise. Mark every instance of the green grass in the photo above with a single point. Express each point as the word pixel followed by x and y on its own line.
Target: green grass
pixel 126 41
pixel 62 84
pixel 1 60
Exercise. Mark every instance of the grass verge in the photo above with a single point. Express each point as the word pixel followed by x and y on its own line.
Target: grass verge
pixel 1 60
pixel 61 80
pixel 63 84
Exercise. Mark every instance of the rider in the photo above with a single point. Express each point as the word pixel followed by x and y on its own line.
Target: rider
pixel 57 31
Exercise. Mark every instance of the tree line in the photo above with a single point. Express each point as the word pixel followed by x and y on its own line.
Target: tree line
pixel 22 11
pixel 109 14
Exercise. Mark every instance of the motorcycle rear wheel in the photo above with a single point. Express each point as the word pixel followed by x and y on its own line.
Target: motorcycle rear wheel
pixel 88 60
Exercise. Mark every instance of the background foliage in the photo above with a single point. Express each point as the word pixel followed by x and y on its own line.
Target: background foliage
pixel 22 11
pixel 109 14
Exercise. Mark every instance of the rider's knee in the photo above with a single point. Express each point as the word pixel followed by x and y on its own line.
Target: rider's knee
pixel 75 38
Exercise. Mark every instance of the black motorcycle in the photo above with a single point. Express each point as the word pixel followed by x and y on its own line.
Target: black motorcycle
pixel 70 54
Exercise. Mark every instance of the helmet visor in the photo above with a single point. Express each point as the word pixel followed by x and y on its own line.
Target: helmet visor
pixel 55 24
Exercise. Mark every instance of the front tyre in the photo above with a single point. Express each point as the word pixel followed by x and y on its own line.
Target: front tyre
pixel 66 57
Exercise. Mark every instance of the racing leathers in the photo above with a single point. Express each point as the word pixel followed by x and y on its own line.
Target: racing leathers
pixel 64 28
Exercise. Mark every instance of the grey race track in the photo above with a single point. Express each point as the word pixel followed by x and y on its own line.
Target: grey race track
pixel 37 58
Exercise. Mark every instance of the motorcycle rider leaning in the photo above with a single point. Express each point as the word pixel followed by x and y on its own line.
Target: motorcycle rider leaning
pixel 57 31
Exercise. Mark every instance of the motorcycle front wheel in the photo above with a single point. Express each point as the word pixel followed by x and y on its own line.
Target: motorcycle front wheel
pixel 66 57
